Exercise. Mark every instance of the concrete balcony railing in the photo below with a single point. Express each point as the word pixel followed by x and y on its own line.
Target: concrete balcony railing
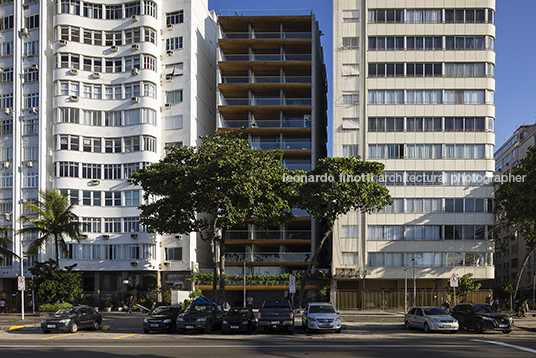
pixel 268 257
pixel 265 79
pixel 289 122
pixel 264 35
pixel 266 101
pixel 265 57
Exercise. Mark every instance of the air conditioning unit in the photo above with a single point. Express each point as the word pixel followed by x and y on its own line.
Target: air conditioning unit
pixel 169 52
pixel 95 182
pixel 135 71
pixel 135 99
pixel 6 165
pixel 135 18
pixel 83 236
pixel 169 77
pixel 63 42
pixel 130 181
pixel 96 75
pixel 134 236
pixel 135 47
pixel 134 264
pixel 167 263
pixel 170 26
pixel 29 164
pixel 178 237
pixel 35 67
pixel 74 71
pixel 168 105
pixel 7 111
pixel 1 70
pixel 34 110
pixel 75 98
pixel 24 32
pixel 114 48
pixel 106 237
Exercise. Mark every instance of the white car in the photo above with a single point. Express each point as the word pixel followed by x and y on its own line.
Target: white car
pixel 430 319
pixel 320 316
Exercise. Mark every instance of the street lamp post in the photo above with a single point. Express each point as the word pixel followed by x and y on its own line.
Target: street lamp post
pixel 406 290
pixel 244 277
pixel 414 284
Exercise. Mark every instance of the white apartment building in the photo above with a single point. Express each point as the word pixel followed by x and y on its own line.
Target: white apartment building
pixel 91 92
pixel 413 88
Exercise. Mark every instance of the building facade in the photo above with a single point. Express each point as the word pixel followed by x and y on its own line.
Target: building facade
pixel 272 85
pixel 90 93
pixel 413 88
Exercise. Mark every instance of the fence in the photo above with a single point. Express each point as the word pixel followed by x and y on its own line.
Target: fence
pixel 353 299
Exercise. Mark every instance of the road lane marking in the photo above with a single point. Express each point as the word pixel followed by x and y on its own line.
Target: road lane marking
pixel 63 335
pixel 126 335
pixel 241 346
pixel 12 328
pixel 525 349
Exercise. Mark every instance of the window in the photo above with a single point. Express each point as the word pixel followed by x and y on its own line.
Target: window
pixel 149 144
pixel 6 206
pixel 112 92
pixel 132 144
pixel 386 70
pixel 31 22
pixel 112 119
pixel 149 62
pixel 112 145
pixel 6 22
pixel 67 170
pixel 132 8
pixel 6 126
pixel 423 151
pixel 92 118
pixel 130 168
pixel 385 16
pixel 114 12
pixel 175 69
pixel 113 38
pixel 174 43
pixel 350 150
pixel 380 232
pixel 424 97
pixel 30 48
pixel 131 224
pixel 149 8
pixel 91 252
pixel 112 225
pixel 72 251
pixel 174 96
pixel 465 43
pixel 424 69
pixel 174 122
pixel 6 180
pixel 132 90
pixel 176 17
pixel 349 258
pixel 424 43
pixel 350 69
pixel 30 126
pixel 465 97
pixel 112 198
pixel 349 231
pixel 386 97
pixel 423 16
pixel 31 100
pixel 132 252
pixel 70 7
pixel 469 16
pixel 6 153
pixel 173 254
pixel 93 11
pixel 132 197
pixel 91 171
pixel 350 16
pixel 112 171
pixel 386 151
pixel 133 35
pixel 350 43
pixel 31 153
pixel 350 97
pixel 132 62
pixel 149 35
pixel 467 70
pixel 6 48
pixel 31 180
pixel 6 101
pixel 30 75
pixel 92 37
pixel 92 91
pixel 91 225
pixel 112 252
pixel 7 75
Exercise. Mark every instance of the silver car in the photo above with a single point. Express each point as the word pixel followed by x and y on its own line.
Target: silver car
pixel 430 319
pixel 320 316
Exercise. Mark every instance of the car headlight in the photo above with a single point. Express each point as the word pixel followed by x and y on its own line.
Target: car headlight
pixel 203 319
pixel 67 320
pixel 436 321
pixel 312 319
pixel 245 322
pixel 488 319
pixel 43 321
pixel 180 319
pixel 224 322
pixel 146 321
pixel 338 320
pixel 167 321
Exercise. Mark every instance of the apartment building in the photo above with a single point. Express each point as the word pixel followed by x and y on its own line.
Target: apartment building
pixel 272 86
pixel 90 93
pixel 413 88
pixel 510 251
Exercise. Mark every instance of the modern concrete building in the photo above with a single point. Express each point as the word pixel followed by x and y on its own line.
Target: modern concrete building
pixel 413 88
pixel 90 93
pixel 510 251
pixel 272 84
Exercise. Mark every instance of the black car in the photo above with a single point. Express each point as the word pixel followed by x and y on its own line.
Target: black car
pixel 482 317
pixel 70 319
pixel 239 319
pixel 161 319
pixel 200 317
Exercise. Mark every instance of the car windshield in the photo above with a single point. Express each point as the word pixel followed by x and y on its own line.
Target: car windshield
pixel 321 309
pixel 434 311
pixel 162 311
pixel 199 308
pixel 238 312
pixel 276 304
pixel 484 309
pixel 66 310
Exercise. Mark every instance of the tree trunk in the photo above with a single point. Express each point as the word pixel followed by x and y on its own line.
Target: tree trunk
pixel 520 271
pixel 57 252
pixel 222 270
pixel 311 264
pixel 215 275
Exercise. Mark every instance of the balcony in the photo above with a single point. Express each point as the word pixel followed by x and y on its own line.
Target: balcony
pixel 264 35
pixel 265 101
pixel 264 57
pixel 285 145
pixel 265 79
pixel 272 257
pixel 268 235
pixel 288 122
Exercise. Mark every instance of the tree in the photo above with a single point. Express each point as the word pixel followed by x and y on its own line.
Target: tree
pixel 54 284
pixel 212 187
pixel 5 244
pixel 337 186
pixel 55 221
pixel 515 208
pixel 465 285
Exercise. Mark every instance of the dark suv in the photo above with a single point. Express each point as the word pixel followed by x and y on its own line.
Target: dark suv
pixel 200 317
pixel 482 317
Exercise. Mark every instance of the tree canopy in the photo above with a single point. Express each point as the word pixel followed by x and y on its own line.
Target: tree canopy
pixel 465 285
pixel 54 284
pixel 6 244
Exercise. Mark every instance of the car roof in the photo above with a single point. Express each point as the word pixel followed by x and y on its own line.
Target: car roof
pixel 319 304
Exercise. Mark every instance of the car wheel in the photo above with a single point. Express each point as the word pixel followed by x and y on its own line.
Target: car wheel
pixel 145 330
pixel 74 327
pixel 477 327
pixel 95 326
pixel 506 331
pixel 408 326
pixel 208 327
pixel 45 331
pixel 426 328
pixel 291 330
pixel 338 330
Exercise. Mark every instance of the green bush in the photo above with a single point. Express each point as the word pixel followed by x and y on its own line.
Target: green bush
pixel 50 307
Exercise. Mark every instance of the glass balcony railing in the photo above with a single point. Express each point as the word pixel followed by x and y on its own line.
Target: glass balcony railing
pixel 265 35
pixel 270 12
pixel 268 257
pixel 270 145
pixel 265 57
pixel 304 167
pixel 265 79
pixel 268 235
pixel 293 122
pixel 266 101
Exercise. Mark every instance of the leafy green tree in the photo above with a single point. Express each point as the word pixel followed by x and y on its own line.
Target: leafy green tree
pixel 329 199
pixel 5 244
pixel 515 208
pixel 212 187
pixel 54 284
pixel 465 285
pixel 54 220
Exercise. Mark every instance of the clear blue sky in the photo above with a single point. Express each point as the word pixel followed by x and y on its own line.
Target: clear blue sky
pixel 515 45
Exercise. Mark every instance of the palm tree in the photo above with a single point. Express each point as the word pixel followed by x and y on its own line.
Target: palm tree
pixel 55 220
pixel 5 243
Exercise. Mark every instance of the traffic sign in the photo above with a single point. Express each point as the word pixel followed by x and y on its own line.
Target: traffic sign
pixel 453 281
pixel 22 283
pixel 292 284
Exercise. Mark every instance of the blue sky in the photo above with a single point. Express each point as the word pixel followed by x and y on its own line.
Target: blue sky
pixel 515 45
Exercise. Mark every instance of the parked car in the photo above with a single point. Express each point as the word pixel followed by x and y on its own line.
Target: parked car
pixel 321 317
pixel 162 318
pixel 70 319
pixel 430 319
pixel 203 316
pixel 239 319
pixel 276 314
pixel 482 317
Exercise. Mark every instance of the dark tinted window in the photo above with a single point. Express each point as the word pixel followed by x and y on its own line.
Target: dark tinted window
pixel 276 304
pixel 434 311
pixel 412 311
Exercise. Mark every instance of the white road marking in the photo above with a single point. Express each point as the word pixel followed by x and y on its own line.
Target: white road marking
pixel 525 349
